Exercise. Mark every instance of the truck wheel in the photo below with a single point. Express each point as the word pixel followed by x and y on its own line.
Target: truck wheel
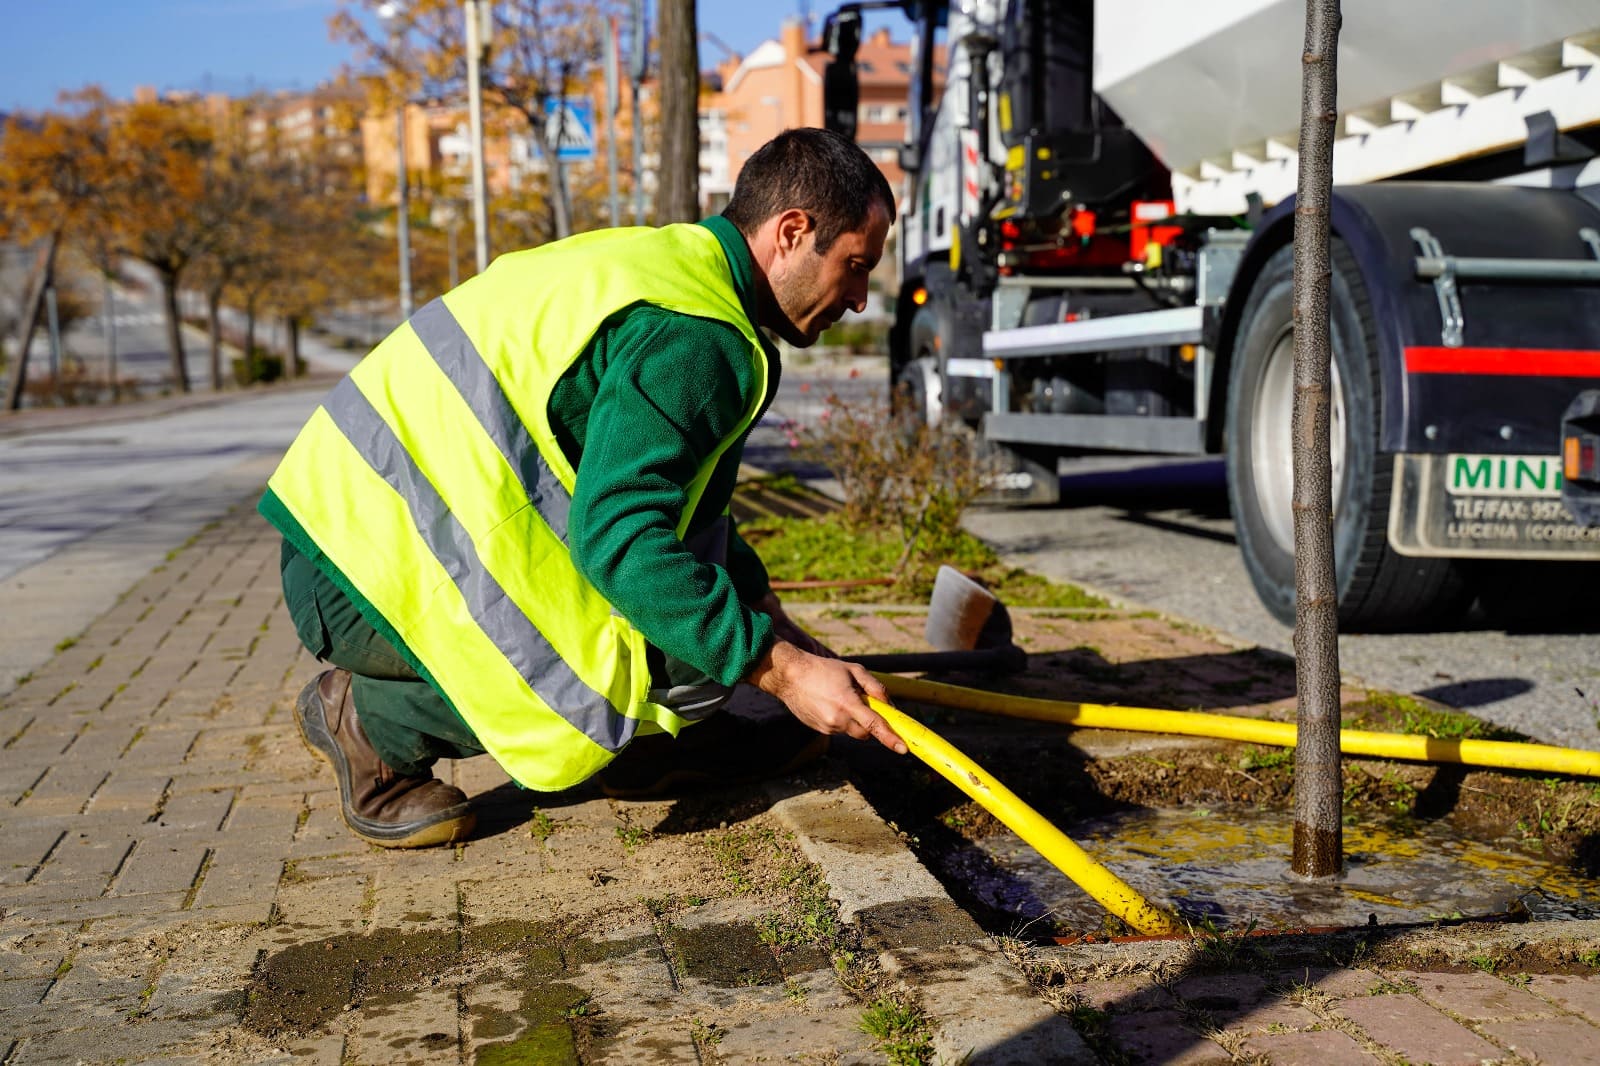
pixel 915 389
pixel 1378 588
pixel 917 395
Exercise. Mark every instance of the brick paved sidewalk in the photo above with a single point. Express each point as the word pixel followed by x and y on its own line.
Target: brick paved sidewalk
pixel 177 886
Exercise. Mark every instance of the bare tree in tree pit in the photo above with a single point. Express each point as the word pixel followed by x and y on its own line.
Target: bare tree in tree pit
pixel 1318 787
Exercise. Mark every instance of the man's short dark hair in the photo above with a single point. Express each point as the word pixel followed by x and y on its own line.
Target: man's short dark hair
pixel 818 171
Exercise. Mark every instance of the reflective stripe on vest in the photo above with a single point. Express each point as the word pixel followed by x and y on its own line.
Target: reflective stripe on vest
pixel 432 481
pixel 511 631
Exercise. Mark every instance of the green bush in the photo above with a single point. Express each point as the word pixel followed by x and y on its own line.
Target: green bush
pixel 263 368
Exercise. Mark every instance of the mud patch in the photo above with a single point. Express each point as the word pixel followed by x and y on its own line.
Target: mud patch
pixel 728 955
pixel 303 988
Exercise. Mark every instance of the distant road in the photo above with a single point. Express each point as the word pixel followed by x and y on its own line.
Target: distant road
pixel 1160 536
pixel 85 512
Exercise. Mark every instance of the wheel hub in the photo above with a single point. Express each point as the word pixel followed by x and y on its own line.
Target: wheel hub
pixel 1271 441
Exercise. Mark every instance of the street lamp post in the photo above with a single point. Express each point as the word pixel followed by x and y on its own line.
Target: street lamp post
pixel 390 15
pixel 476 15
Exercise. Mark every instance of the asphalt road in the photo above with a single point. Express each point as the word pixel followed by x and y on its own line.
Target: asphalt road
pixel 86 512
pixel 1159 535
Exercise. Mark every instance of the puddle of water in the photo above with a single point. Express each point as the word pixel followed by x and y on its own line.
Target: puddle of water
pixel 1231 865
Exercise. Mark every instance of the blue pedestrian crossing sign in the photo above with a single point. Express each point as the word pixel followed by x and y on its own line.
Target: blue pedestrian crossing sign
pixel 569 124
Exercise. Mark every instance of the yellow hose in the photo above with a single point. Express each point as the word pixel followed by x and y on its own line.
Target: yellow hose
pixel 1106 887
pixel 1542 758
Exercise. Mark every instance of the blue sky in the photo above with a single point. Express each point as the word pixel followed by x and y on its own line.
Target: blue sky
pixel 232 46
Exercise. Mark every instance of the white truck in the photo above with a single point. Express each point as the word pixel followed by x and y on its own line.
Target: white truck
pixel 1094 258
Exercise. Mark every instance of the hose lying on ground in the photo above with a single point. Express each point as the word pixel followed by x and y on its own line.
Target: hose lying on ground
pixel 1498 754
pixel 1106 887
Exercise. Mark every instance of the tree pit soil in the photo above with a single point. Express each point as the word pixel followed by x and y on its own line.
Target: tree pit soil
pixel 1070 776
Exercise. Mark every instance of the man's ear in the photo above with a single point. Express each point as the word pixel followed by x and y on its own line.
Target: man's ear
pixel 793 225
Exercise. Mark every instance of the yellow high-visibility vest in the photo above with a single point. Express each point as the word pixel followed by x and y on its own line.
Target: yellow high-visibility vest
pixel 432 480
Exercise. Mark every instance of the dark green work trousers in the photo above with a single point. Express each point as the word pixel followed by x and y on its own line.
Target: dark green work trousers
pixel 409 724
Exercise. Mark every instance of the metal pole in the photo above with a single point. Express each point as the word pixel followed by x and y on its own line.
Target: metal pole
pixel 403 216
pixel 480 191
pixel 637 63
pixel 612 59
pixel 450 237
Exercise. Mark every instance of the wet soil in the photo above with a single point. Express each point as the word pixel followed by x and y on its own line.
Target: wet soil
pixel 1539 818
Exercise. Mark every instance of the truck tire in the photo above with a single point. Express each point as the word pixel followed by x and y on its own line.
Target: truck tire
pixel 1378 588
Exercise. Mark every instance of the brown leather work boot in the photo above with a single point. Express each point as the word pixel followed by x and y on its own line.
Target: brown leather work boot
pixel 380 806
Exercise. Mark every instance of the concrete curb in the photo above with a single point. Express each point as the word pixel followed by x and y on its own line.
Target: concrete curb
pixel 984 1009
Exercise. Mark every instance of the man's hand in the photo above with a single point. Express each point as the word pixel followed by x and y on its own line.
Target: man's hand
pixel 827 694
pixel 786 628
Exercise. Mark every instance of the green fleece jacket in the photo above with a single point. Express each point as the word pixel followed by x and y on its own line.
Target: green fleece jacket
pixel 650 398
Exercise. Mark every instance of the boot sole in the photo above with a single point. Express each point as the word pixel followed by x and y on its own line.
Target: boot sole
pixel 444 828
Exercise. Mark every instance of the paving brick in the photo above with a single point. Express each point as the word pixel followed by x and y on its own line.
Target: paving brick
pixel 71 912
pixel 1325 1048
pixel 159 865
pixel 130 790
pixel 1124 995
pixel 1160 1037
pixel 322 906
pixel 100 743
pixel 1477 996
pixel 1262 1017
pixel 983 1008
pixel 25 850
pixel 196 810
pixel 1221 991
pixel 1411 1028
pixel 87 980
pixel 832 1036
pixel 416 899
pixel 264 819
pixel 80 857
pixel 412 1027
pixel 169 1042
pixel 1569 1041
pixel 161 745
pixel 1580 995
pixel 21 992
pixel 65 789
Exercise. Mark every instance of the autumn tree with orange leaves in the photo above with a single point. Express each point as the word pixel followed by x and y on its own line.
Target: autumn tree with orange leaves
pixel 539 52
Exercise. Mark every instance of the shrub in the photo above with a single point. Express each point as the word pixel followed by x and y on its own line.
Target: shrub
pixel 899 473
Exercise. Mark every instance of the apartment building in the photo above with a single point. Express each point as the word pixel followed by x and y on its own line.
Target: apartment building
pixel 779 86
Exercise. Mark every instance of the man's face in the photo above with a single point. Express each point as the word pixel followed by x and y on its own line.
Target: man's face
pixel 812 291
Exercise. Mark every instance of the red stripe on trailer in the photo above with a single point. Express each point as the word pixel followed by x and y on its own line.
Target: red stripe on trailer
pixel 1521 362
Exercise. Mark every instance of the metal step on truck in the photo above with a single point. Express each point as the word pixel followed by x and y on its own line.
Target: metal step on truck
pixel 1094 258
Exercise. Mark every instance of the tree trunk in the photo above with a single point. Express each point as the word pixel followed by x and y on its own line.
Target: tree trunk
pixel 291 362
pixel 169 295
pixel 1318 837
pixel 250 341
pixel 679 197
pixel 214 328
pixel 30 321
